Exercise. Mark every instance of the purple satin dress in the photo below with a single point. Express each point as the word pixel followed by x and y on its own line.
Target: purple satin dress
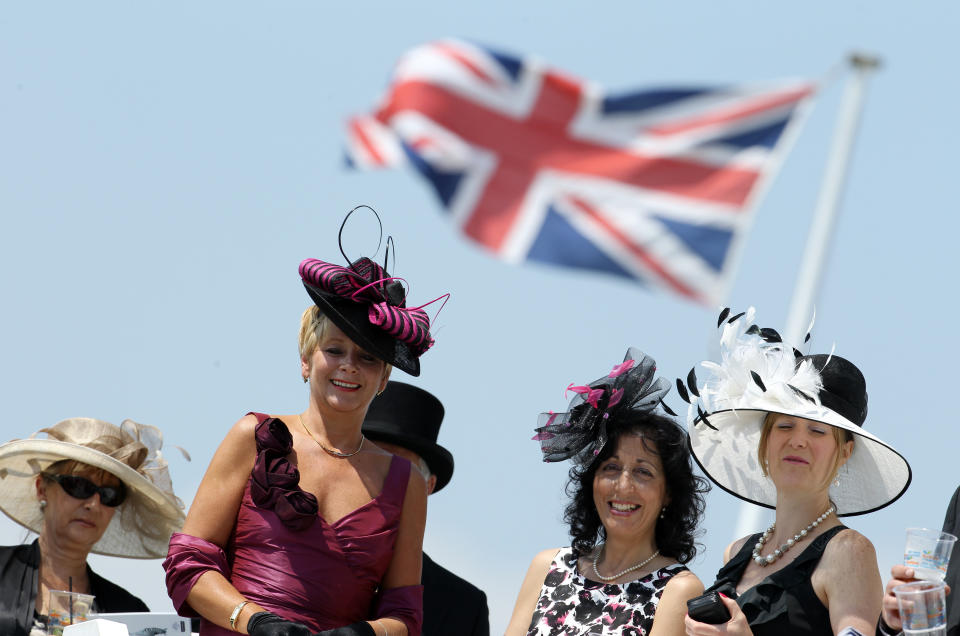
pixel 284 556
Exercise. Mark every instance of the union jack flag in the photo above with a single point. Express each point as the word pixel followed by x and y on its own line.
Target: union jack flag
pixel 655 185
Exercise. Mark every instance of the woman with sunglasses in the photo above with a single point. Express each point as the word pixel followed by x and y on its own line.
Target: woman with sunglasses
pixel 300 524
pixel 89 486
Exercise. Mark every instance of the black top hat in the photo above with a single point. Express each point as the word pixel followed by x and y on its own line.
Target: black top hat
pixel 410 417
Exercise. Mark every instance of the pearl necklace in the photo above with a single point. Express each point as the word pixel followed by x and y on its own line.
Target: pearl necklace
pixel 764 561
pixel 621 573
pixel 330 451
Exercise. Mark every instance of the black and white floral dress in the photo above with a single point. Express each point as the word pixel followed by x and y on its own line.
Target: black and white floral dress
pixel 573 605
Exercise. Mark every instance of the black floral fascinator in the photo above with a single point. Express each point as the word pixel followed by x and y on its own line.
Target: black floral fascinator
pixel 631 386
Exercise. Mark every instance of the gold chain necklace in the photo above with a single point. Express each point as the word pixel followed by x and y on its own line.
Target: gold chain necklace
pixel 330 451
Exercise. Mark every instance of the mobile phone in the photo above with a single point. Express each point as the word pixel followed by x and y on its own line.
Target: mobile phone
pixel 709 607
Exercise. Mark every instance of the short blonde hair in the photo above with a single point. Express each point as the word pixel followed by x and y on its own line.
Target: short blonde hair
pixel 313 329
pixel 73 467
pixel 841 436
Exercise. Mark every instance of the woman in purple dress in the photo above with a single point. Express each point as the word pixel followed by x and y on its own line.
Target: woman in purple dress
pixel 301 525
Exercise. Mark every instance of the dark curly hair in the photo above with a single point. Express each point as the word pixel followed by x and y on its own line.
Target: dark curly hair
pixel 676 531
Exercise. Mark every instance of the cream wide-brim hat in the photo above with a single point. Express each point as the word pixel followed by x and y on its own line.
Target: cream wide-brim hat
pixel 142 524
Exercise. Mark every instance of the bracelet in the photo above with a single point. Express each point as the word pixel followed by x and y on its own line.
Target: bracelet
pixel 386 632
pixel 885 630
pixel 235 614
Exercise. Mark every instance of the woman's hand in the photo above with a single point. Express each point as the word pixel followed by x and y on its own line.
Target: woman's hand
pixel 268 624
pixel 737 624
pixel 899 574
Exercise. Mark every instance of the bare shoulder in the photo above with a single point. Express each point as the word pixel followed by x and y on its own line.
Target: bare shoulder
pixel 685 584
pixel 849 545
pixel 848 582
pixel 734 548
pixel 529 592
pixel 543 560
pixel 240 444
pixel 849 563
pixel 214 508
pixel 672 606
pixel 246 425
pixel 416 479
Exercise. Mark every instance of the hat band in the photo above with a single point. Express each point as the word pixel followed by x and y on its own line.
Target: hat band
pixel 842 407
pixel 365 282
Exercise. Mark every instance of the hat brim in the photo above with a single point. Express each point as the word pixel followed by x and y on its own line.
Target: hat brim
pixel 874 476
pixel 438 458
pixel 352 318
pixel 22 460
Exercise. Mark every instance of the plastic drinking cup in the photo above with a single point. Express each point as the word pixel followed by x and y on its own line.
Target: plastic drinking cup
pixel 66 608
pixel 923 608
pixel 928 553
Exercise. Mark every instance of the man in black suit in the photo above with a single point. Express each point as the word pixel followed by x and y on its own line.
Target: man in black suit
pixel 890 619
pixel 405 420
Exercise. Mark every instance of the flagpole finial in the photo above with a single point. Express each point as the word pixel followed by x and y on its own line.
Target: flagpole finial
pixel 864 61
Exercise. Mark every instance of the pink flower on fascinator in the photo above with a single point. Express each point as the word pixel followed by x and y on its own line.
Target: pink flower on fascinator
pixel 615 397
pixel 591 396
pixel 621 368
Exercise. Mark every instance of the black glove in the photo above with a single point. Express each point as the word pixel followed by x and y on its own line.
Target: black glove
pixel 268 624
pixel 357 629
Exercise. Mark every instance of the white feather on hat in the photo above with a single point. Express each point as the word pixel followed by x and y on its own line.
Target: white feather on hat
pixel 759 374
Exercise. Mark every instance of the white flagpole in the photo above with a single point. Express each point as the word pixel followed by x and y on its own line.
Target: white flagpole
pixel 821 230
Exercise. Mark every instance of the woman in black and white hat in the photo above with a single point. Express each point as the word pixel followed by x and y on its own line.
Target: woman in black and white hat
pixel 785 431
pixel 88 486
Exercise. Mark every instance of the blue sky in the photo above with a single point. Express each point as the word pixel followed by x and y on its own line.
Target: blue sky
pixel 166 166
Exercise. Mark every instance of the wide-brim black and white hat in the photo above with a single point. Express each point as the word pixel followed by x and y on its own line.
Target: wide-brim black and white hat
pixel 759 374
pixel 142 525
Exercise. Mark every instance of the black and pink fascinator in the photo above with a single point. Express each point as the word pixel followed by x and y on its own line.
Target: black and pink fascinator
pixel 630 387
pixel 369 305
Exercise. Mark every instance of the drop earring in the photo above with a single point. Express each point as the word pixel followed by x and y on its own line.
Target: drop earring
pixel 663 512
pixel 43 505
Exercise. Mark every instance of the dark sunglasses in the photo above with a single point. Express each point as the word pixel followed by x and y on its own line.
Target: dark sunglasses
pixel 83 488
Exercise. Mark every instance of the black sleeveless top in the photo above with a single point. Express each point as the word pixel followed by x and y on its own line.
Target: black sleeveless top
pixel 784 602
